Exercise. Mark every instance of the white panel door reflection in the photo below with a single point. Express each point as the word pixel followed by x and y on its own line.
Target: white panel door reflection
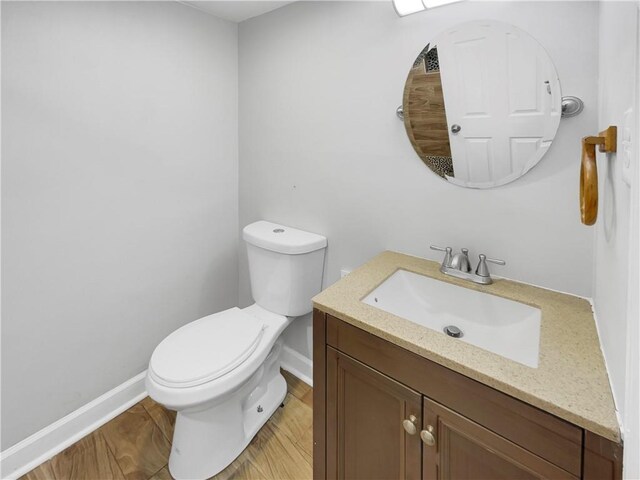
pixel 502 98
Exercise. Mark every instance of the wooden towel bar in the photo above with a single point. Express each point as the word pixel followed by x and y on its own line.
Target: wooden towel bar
pixel 606 141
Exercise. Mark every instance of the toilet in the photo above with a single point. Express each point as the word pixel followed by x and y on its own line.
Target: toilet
pixel 221 373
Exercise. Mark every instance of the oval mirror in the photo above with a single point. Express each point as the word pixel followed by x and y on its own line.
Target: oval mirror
pixel 482 104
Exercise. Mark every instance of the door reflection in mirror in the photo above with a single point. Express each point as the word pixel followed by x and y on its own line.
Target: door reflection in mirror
pixel 482 104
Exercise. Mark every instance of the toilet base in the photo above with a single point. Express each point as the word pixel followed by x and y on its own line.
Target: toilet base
pixel 208 438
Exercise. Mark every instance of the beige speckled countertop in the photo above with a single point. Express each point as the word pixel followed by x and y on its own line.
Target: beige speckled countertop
pixel 571 379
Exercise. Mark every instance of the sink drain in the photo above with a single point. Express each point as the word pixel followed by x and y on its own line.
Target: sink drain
pixel 452 331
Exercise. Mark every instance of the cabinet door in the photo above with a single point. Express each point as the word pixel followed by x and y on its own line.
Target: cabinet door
pixel 455 448
pixel 366 438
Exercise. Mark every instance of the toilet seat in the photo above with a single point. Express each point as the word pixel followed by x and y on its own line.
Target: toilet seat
pixel 206 349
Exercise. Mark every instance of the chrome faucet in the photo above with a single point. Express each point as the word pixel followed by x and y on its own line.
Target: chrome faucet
pixel 460 261
pixel 458 265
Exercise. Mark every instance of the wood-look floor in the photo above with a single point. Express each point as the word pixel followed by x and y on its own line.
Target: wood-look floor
pixel 136 444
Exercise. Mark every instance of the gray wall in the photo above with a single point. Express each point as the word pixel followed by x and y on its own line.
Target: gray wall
pixel 321 148
pixel 119 183
pixel 616 315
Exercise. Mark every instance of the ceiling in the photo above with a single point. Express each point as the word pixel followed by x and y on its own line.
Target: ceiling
pixel 238 10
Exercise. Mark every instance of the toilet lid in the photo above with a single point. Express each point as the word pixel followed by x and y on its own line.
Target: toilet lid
pixel 206 349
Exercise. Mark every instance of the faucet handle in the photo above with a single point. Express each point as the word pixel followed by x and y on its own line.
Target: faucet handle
pixel 496 261
pixel 447 257
pixel 483 269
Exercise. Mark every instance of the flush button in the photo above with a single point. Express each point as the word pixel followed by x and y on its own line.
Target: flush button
pixel 278 230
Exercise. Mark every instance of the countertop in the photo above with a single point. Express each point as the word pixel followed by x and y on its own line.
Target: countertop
pixel 571 380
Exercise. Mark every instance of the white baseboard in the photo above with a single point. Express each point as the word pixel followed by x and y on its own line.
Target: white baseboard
pixel 297 364
pixel 51 440
pixel 41 446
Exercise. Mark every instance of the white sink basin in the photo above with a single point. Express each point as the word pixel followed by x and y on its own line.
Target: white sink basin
pixel 505 327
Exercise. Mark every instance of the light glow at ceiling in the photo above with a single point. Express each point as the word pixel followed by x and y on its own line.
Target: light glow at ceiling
pixel 407 7
pixel 437 3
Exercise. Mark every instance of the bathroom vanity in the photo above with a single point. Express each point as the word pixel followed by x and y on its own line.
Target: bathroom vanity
pixel 394 399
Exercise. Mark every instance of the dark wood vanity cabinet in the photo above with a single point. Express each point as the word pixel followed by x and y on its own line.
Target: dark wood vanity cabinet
pixel 364 411
pixel 382 412
pixel 462 449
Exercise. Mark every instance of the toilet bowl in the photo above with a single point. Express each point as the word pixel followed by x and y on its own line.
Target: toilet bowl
pixel 221 373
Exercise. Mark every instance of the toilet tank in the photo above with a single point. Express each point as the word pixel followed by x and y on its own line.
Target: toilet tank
pixel 285 267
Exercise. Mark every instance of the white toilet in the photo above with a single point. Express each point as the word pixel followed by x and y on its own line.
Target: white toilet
pixel 222 372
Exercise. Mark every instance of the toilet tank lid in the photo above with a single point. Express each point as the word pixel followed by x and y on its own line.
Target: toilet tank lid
pixel 282 239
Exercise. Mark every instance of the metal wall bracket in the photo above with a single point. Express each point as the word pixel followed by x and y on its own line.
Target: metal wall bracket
pixel 571 106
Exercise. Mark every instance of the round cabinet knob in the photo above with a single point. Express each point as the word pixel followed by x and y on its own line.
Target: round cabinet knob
pixel 455 128
pixel 427 436
pixel 409 425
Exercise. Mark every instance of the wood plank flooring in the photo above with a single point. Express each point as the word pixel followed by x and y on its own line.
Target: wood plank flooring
pixel 136 444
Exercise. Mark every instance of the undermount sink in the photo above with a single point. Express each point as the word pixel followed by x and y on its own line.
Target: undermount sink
pixel 505 327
